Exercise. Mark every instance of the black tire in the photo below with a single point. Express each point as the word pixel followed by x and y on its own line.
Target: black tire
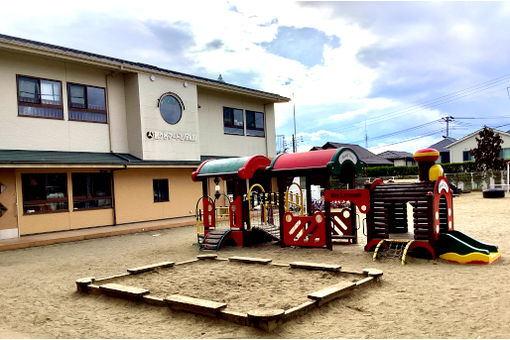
pixel 494 193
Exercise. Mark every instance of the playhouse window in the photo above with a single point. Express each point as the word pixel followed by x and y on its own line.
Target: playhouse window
pixel 92 190
pixel 160 187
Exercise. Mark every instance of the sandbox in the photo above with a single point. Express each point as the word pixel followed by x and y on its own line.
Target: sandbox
pixel 212 292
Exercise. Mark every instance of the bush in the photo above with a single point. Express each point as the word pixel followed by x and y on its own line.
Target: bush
pixel 392 171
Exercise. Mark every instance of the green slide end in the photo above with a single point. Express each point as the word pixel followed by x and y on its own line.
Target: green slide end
pixel 456 246
pixel 462 244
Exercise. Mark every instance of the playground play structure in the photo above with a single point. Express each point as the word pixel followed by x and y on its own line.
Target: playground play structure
pixel 257 203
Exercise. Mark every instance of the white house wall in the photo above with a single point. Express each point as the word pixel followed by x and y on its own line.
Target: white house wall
pixel 456 151
pixel 214 142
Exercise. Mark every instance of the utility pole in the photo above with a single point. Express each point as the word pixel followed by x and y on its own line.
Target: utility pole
pixel 366 135
pixel 448 119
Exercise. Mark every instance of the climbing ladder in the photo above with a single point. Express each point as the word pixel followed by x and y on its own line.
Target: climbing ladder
pixel 393 249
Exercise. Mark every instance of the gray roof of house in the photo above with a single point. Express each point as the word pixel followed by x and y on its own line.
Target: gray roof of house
pixel 78 158
pixel 364 155
pixel 110 60
pixel 441 145
pixel 395 155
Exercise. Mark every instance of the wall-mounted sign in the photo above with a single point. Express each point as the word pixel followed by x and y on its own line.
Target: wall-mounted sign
pixel 172 136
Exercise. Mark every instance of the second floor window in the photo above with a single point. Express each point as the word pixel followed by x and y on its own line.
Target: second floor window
pixel 39 98
pixel 233 121
pixel 254 123
pixel 87 103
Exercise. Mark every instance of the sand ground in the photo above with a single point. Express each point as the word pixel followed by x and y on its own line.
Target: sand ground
pixel 423 299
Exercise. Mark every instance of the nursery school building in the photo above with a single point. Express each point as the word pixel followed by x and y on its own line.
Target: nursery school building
pixel 88 140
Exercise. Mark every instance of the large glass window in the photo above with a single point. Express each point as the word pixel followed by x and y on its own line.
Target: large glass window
pixel 92 190
pixel 160 187
pixel 233 121
pixel 87 103
pixel 44 193
pixel 255 124
pixel 39 98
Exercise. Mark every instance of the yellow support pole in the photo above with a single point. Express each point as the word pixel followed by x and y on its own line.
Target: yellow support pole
pixel 405 251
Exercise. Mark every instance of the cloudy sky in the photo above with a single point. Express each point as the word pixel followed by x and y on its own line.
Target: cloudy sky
pixel 388 71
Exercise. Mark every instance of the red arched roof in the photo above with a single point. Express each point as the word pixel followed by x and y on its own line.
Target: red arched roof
pixel 303 160
pixel 244 167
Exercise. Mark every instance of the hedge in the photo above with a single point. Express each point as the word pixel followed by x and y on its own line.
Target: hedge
pixel 399 171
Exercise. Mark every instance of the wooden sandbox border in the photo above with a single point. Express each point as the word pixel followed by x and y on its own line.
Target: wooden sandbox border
pixel 267 319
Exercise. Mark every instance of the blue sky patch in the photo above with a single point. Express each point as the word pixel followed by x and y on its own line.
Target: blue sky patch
pixel 305 45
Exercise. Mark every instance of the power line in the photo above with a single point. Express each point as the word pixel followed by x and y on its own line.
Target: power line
pixel 410 139
pixel 391 134
pixel 454 95
pixel 432 103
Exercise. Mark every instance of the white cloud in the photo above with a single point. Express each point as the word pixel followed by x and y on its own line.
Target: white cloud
pixel 368 105
pixel 316 136
pixel 410 146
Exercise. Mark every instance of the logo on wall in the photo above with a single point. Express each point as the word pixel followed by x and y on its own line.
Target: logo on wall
pixel 171 136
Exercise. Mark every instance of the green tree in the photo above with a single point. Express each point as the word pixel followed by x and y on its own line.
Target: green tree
pixel 487 153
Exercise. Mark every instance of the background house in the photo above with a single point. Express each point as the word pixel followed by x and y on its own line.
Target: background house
pixel 399 158
pixel 444 152
pixel 459 150
pixel 367 157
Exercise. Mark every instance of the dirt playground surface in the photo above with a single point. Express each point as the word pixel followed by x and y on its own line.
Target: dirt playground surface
pixel 423 299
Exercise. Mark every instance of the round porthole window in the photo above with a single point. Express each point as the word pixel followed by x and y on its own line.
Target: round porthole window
pixel 170 109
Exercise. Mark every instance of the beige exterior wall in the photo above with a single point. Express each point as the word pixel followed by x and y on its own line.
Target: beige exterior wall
pixel 132 106
pixel 213 141
pixel 456 151
pixel 135 198
pixel 26 133
pixel 8 199
pixel 117 117
pixel 39 223
pixel 133 121
pixel 151 119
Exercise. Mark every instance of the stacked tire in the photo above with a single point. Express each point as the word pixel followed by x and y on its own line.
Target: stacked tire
pixel 493 193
